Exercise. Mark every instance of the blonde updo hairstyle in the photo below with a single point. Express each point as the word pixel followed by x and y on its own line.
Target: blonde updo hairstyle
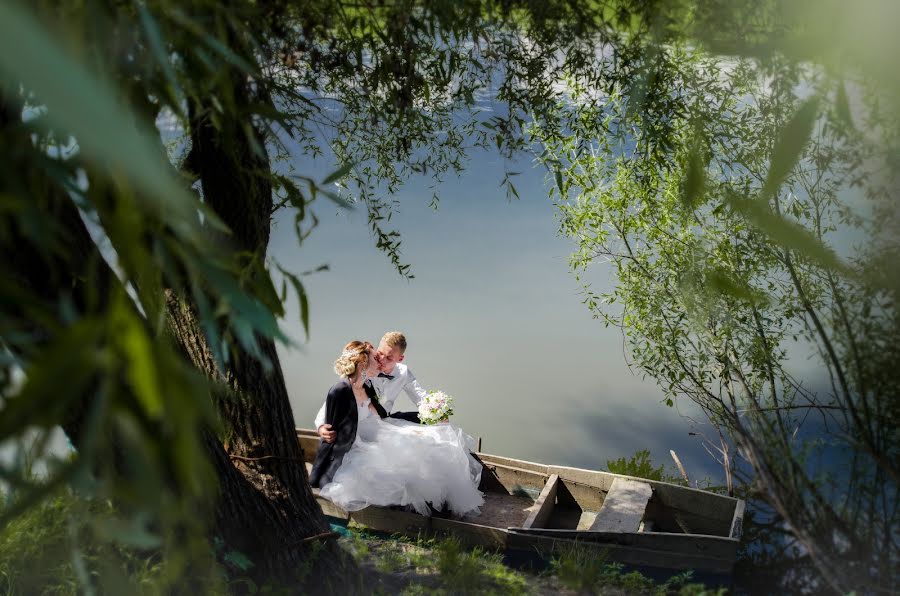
pixel 353 359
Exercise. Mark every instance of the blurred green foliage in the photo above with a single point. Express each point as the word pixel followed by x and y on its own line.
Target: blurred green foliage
pixel 55 546
pixel 704 129
pixel 752 222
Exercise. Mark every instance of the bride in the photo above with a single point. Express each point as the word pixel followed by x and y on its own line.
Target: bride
pixel 375 460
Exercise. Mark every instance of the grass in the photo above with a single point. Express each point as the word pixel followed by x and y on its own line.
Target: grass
pixel 49 550
pixel 66 544
pixel 53 549
pixel 588 571
pixel 434 566
pixel 445 567
pixel 474 571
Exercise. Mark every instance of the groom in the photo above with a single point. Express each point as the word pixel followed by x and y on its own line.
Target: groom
pixel 393 378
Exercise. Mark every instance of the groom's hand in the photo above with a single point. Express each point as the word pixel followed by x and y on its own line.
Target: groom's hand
pixel 326 433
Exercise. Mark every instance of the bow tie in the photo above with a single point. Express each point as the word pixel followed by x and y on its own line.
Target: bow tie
pixel 385 375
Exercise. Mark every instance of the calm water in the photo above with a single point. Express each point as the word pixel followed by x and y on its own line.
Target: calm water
pixel 492 317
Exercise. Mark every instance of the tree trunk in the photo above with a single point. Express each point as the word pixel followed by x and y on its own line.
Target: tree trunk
pixel 260 432
pixel 266 508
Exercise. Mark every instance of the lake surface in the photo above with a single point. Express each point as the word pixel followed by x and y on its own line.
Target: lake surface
pixel 493 317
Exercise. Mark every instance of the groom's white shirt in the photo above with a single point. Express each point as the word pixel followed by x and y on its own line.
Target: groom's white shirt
pixel 388 390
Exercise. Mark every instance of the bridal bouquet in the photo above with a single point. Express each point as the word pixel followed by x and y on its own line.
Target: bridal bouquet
pixel 436 407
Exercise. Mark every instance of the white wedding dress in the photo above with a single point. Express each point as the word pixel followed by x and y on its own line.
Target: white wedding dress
pixel 395 462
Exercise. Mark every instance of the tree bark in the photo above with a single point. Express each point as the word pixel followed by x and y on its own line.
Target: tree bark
pixel 256 412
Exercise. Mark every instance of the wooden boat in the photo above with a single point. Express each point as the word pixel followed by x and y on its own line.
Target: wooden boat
pixel 541 508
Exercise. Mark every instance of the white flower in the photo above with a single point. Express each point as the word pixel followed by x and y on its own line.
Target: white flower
pixel 436 407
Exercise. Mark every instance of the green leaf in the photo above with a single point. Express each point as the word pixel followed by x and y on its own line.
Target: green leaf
pixel 842 104
pixel 141 369
pixel 258 282
pixel 238 559
pixel 213 43
pixel 304 311
pixel 209 324
pixel 127 532
pixel 319 269
pixel 790 144
pixel 512 189
pixel 159 51
pixel 338 174
pixel 787 233
pixel 40 402
pixel 270 112
pixel 336 198
pixel 695 175
pixel 301 297
pixel 107 134
pixel 725 282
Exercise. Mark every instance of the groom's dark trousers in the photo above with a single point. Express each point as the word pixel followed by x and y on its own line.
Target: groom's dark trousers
pixel 408 416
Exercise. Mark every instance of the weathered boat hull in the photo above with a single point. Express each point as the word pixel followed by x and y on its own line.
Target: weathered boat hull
pixel 540 508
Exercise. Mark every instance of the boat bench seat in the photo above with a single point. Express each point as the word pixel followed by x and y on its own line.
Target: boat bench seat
pixel 624 506
pixel 543 506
